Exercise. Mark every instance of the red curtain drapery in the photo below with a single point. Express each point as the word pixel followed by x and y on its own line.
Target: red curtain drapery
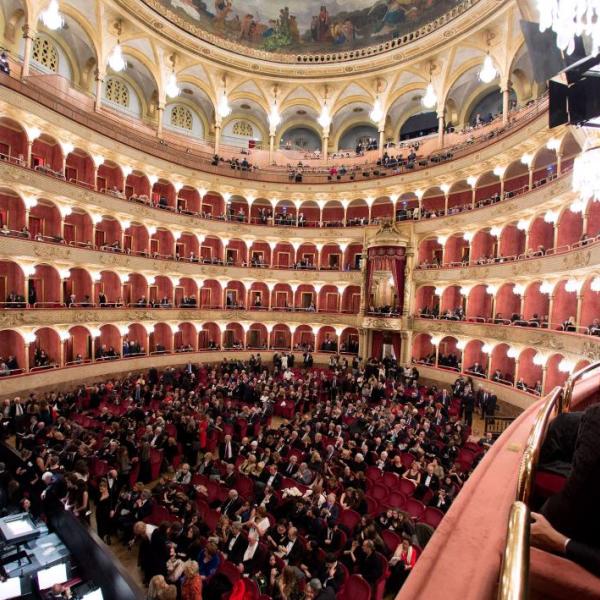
pixel 377 348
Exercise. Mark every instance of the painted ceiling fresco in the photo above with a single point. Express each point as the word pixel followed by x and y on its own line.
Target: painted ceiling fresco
pixel 307 26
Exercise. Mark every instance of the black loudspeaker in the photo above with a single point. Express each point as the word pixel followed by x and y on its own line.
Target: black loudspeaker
pixel 558 104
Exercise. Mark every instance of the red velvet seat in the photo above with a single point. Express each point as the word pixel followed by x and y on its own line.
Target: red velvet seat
pixel 245 486
pixel 373 473
pixel 407 487
pixel 211 518
pixel 372 505
pixel 414 508
pixel 379 587
pixel 407 459
pixel 379 492
pixel 396 500
pixel 230 571
pixel 391 480
pixel 432 516
pixel 355 588
pixel 548 484
pixel 349 519
pixel 391 540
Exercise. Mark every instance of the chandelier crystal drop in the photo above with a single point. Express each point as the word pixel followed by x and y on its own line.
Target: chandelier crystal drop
pixel 376 113
pixel 570 19
pixel 274 116
pixel 116 61
pixel 51 17
pixel 429 100
pixel 172 88
pixel 586 177
pixel 223 107
pixel 325 117
pixel 488 71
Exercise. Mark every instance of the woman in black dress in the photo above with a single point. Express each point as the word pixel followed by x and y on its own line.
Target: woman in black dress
pixel 103 512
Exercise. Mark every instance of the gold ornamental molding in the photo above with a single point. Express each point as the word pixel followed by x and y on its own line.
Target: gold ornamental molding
pixel 68 317
pixel 575 263
pixel 578 346
pixel 537 200
pixel 383 323
pixel 452 28
pixel 19 249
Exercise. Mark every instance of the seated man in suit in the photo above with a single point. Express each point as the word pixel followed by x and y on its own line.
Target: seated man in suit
pixel 254 556
pixel 231 505
pixel 332 575
pixel 569 524
pixel 234 547
pixel 366 562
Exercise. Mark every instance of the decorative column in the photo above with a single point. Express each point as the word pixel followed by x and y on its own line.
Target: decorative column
pixel 318 287
pixel 558 163
pixel 381 141
pixel 217 136
pixel 441 130
pixel 29 34
pixel 271 146
pixel 99 81
pixel 160 111
pixel 505 104
pixel 324 143
pixel 26 357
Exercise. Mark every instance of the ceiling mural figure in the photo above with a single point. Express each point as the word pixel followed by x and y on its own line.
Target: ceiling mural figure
pixel 323 26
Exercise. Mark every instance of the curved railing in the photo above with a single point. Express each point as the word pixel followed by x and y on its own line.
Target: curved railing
pixel 191 154
pixel 514 584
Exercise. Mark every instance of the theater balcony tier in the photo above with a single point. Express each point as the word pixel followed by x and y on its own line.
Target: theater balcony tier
pixel 111 269
pixel 534 360
pixel 32 341
pixel 86 141
pixel 56 379
pixel 577 259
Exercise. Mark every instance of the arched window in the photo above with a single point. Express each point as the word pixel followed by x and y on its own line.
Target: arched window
pixel 117 92
pixel 45 54
pixel 181 117
pixel 243 128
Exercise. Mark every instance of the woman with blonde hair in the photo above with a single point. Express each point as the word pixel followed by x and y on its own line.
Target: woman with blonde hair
pixel 191 588
pixel 156 586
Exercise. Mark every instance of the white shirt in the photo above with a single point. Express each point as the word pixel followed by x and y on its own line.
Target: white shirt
pixel 250 551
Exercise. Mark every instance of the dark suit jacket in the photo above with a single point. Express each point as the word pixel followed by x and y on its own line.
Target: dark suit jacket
pixel 574 510
pixel 234 452
pixel 230 506
pixel 236 553
pixel 256 563
pixel 369 566
pixel 334 582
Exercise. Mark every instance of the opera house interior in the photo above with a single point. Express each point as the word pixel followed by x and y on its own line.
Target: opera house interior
pixel 299 300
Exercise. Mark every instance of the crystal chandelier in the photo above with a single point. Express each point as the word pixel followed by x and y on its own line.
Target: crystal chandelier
pixel 274 116
pixel 377 112
pixel 488 71
pixel 571 18
pixel 223 107
pixel 429 100
pixel 51 17
pixel 172 88
pixel 325 117
pixel 116 61
pixel 586 178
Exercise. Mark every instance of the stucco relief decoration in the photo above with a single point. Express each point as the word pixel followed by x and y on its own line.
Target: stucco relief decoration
pixel 309 27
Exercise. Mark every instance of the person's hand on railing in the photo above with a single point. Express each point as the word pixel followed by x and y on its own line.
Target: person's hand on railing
pixel 545 537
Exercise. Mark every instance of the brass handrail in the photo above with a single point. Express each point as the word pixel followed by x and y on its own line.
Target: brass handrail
pixel 570 384
pixel 515 565
pixel 536 438
pixel 515 561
